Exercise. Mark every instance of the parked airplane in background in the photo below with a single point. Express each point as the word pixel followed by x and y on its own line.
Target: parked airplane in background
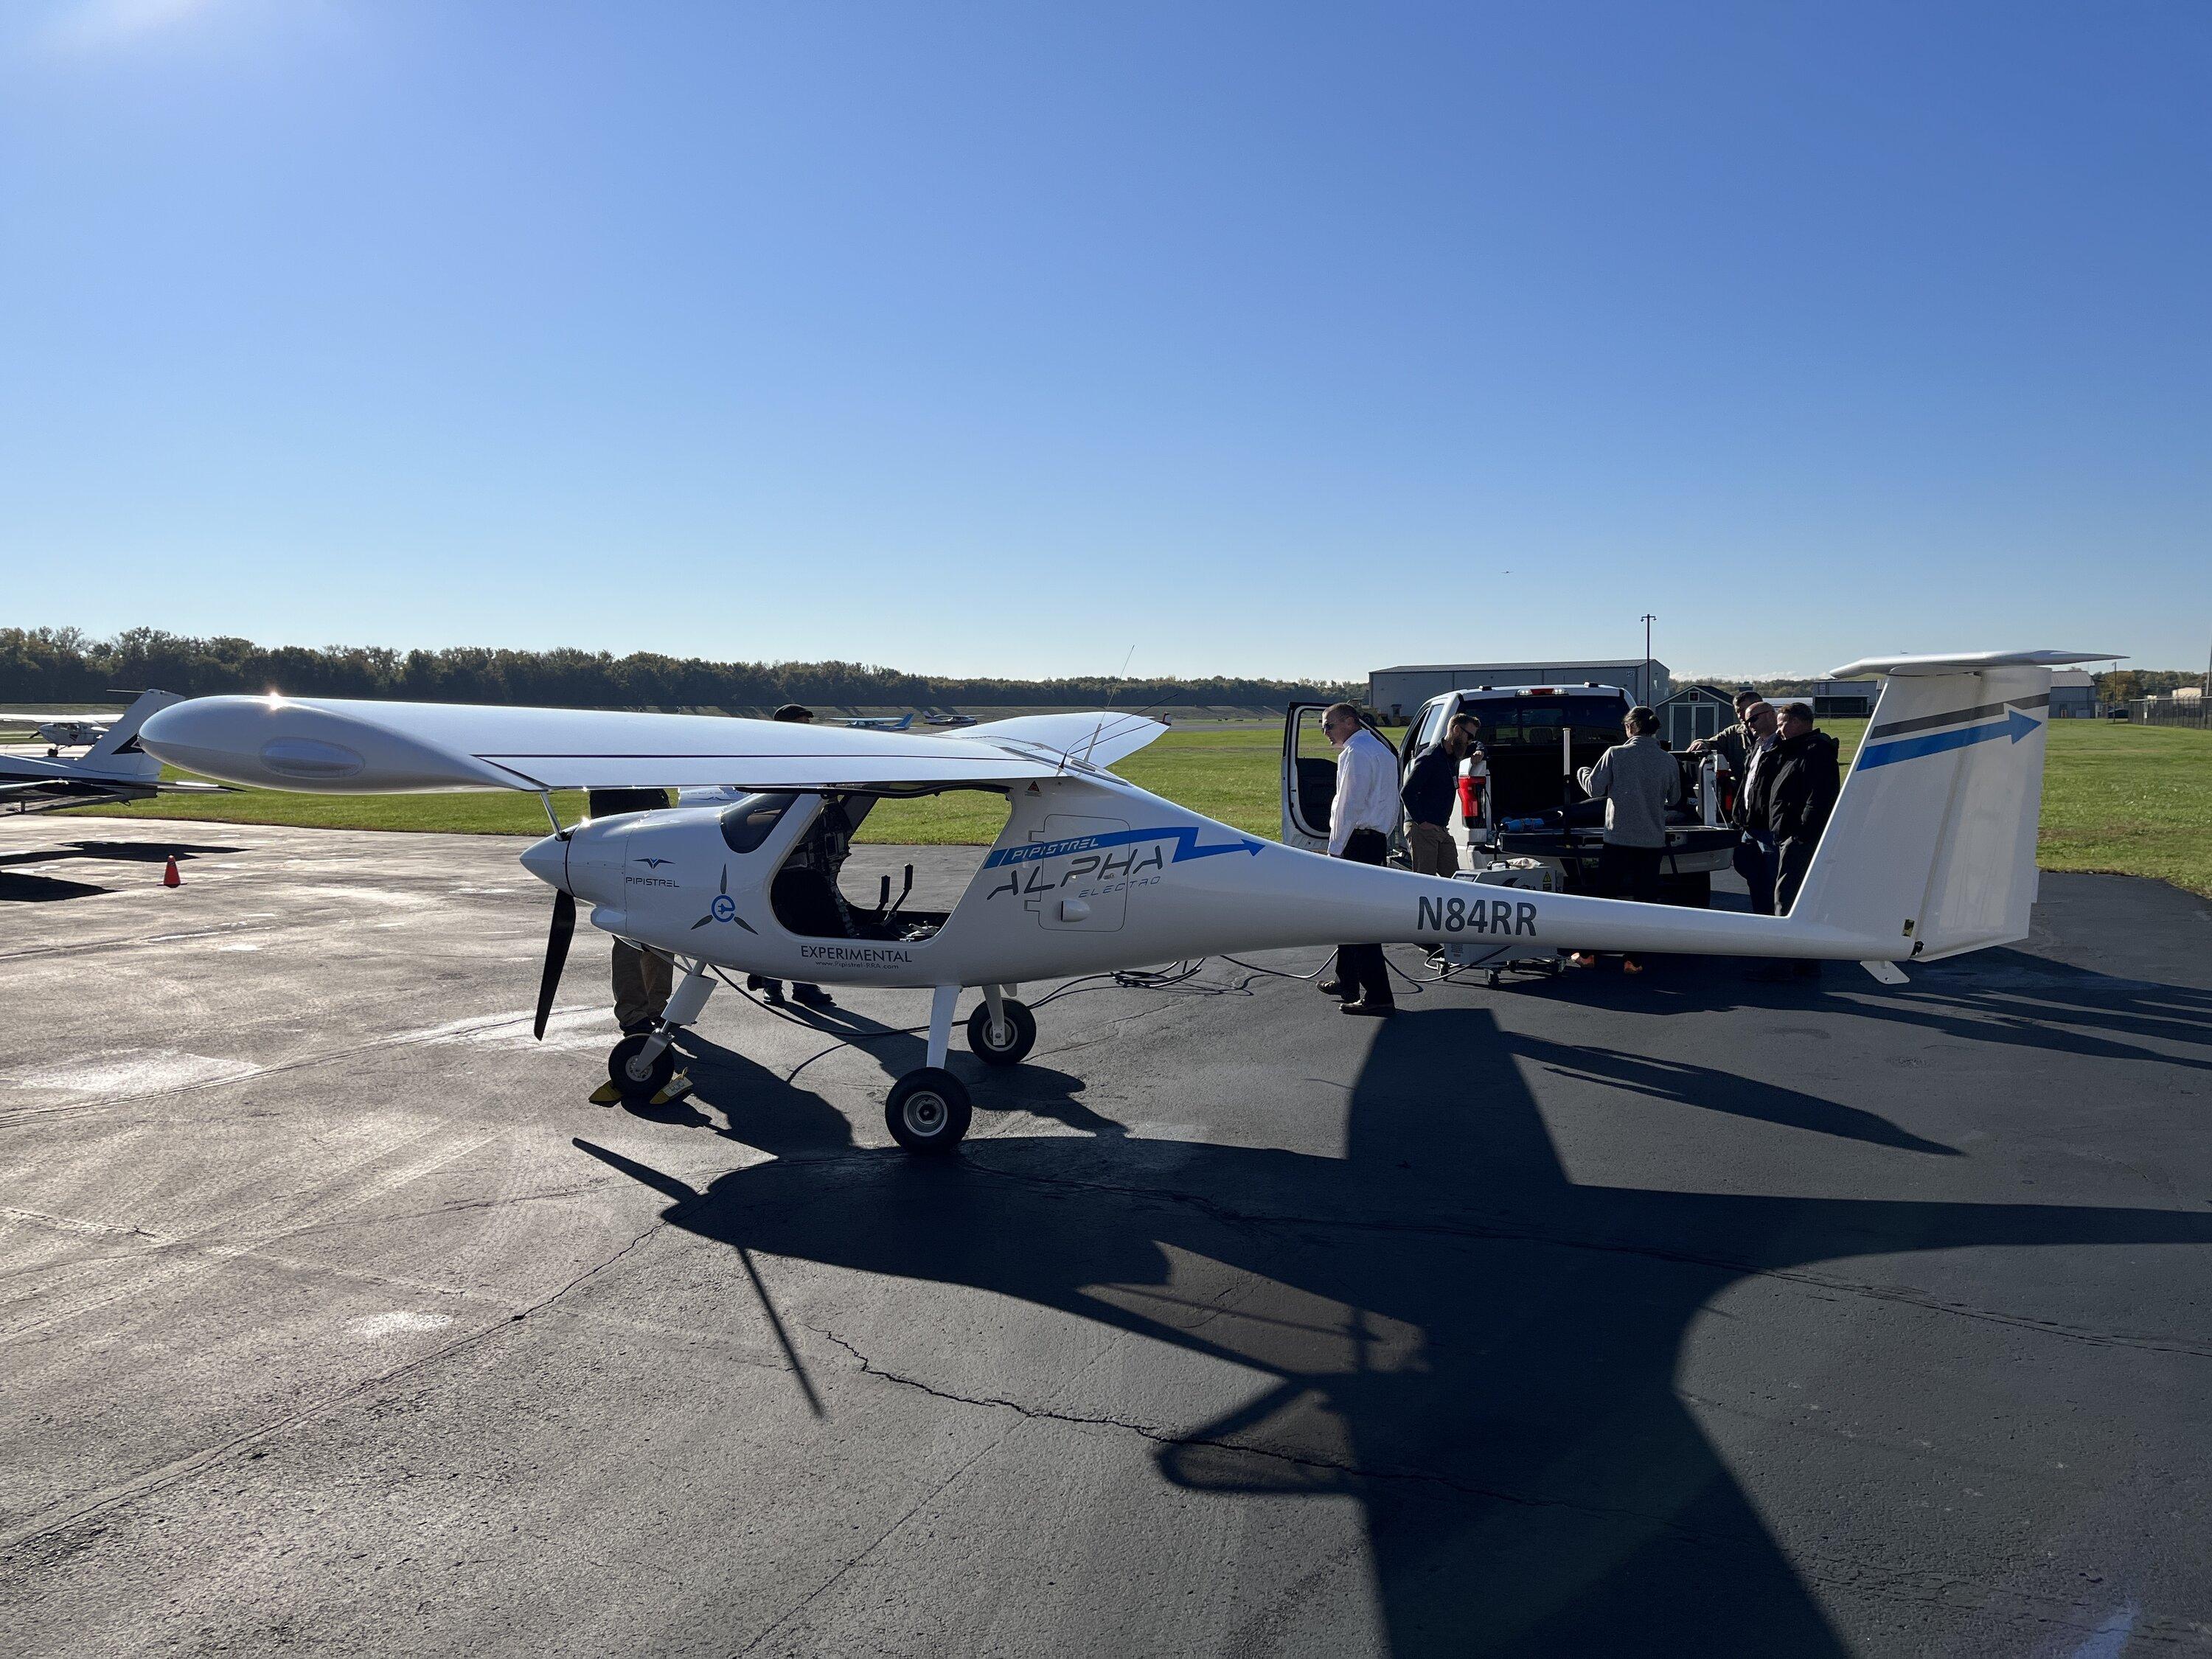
pixel 876 722
pixel 1930 851
pixel 68 731
pixel 115 768
pixel 948 719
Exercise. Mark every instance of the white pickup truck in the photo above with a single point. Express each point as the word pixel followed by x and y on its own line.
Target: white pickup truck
pixel 1520 799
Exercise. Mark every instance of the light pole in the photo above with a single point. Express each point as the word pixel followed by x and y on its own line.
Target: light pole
pixel 1647 620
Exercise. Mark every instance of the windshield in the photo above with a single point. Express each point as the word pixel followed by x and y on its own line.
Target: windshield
pixel 1529 722
pixel 746 821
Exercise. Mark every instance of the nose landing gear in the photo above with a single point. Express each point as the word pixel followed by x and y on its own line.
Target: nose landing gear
pixel 640 1065
pixel 639 1076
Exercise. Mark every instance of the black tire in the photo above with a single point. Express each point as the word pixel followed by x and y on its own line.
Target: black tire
pixel 638 1083
pixel 1024 1034
pixel 927 1112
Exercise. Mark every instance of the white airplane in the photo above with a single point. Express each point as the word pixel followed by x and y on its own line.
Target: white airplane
pixel 877 722
pixel 1930 851
pixel 68 731
pixel 116 767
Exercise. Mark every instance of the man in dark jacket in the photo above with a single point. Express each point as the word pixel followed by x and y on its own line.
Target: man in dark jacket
pixel 1431 782
pixel 1797 785
pixel 1791 790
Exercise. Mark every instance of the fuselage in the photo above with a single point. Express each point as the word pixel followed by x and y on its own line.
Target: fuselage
pixel 1090 873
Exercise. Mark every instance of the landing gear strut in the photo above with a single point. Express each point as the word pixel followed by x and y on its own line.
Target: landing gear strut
pixel 640 1066
pixel 928 1110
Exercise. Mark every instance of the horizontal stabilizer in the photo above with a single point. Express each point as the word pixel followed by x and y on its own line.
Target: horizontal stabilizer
pixel 1959 662
pixel 1097 739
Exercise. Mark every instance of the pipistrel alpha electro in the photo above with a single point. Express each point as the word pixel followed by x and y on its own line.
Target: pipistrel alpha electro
pixel 1930 851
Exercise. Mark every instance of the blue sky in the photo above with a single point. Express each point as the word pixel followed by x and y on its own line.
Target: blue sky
pixel 1270 339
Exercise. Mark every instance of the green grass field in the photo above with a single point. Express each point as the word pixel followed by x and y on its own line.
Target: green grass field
pixel 2129 799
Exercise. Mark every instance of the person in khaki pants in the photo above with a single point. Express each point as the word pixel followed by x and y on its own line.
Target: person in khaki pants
pixel 1430 783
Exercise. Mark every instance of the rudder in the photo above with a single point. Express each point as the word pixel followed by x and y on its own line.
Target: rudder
pixel 1932 842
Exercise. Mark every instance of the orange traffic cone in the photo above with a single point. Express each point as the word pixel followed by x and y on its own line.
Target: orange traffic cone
pixel 169 876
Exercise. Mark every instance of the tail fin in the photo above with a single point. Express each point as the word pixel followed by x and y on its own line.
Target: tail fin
pixel 1932 843
pixel 118 753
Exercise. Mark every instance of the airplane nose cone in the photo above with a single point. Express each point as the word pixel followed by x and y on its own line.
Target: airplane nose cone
pixel 547 861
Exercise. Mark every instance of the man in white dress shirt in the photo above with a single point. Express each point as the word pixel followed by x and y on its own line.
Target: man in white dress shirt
pixel 1360 820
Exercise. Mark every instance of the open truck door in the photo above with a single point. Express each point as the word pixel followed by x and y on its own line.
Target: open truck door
pixel 1308 778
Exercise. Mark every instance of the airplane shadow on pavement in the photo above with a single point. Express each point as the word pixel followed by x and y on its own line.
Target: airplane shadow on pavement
pixel 2000 995
pixel 1479 1350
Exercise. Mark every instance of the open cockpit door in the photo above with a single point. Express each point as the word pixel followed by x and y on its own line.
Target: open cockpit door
pixel 1308 778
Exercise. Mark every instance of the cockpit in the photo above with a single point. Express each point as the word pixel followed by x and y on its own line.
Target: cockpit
pixel 806 894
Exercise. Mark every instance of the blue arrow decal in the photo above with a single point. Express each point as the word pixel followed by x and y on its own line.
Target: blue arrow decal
pixel 2015 725
pixel 1185 840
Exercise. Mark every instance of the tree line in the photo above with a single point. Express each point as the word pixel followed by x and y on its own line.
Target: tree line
pixel 66 665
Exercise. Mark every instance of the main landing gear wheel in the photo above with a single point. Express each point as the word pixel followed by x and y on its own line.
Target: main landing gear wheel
pixel 1020 1035
pixel 928 1111
pixel 637 1080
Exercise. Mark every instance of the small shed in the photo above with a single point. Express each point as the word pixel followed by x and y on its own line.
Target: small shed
pixel 1694 712
pixel 2073 694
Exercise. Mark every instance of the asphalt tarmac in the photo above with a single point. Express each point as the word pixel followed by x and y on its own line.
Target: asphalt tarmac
pixel 1674 1315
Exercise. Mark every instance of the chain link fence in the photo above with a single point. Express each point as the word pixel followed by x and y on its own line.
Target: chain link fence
pixel 2170 711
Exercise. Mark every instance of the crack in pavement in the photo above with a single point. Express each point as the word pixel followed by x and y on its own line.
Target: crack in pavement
pixel 1160 1436
pixel 881 1538
pixel 1888 1583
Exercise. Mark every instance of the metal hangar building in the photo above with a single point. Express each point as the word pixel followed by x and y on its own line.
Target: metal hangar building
pixel 1395 692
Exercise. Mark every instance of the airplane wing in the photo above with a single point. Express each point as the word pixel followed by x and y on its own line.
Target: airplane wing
pixel 332 745
pixel 59 795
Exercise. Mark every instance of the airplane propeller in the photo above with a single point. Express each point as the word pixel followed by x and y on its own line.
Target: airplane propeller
pixel 557 955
